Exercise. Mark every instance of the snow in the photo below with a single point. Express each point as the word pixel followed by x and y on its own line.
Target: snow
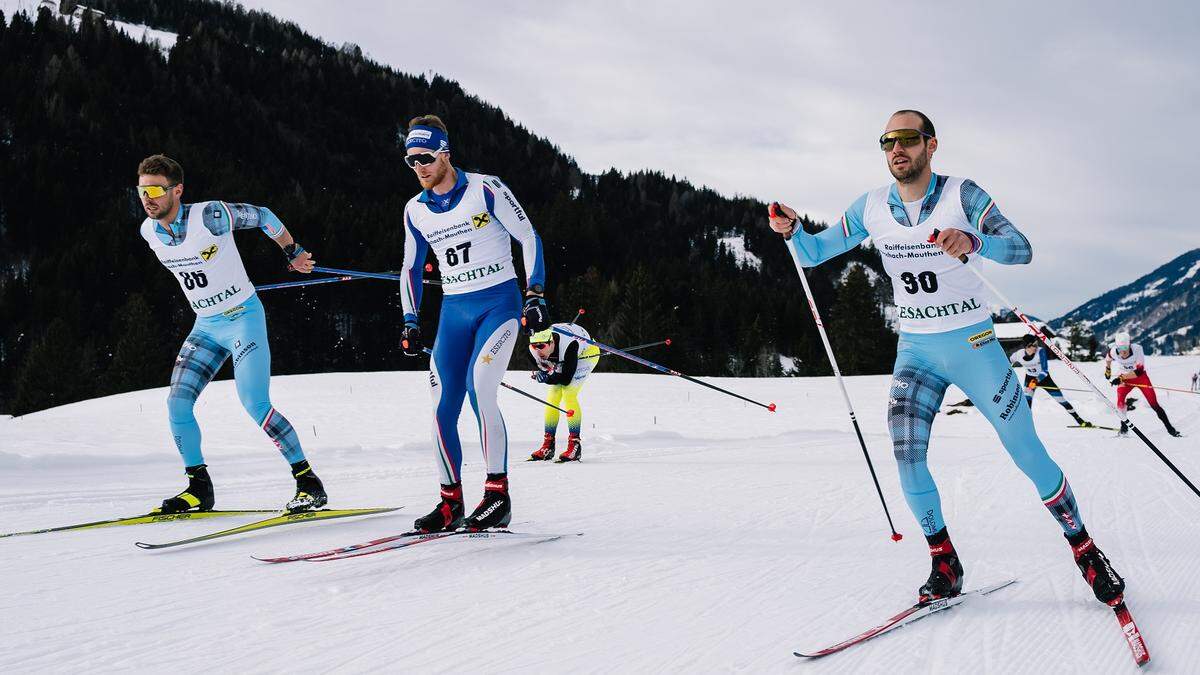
pixel 737 246
pixel 1011 330
pixel 1189 274
pixel 718 537
pixel 139 32
pixel 144 33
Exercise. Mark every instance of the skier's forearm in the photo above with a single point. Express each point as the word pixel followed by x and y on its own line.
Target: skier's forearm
pixel 814 249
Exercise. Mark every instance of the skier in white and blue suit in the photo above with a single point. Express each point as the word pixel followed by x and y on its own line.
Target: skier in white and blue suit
pixel 469 220
pixel 946 335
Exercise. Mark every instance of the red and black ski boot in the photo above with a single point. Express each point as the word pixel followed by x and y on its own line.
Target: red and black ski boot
pixel 496 508
pixel 448 515
pixel 1108 586
pixel 574 451
pixel 546 452
pixel 946 577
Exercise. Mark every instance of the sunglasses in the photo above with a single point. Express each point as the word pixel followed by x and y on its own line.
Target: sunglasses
pixel 906 137
pixel 538 345
pixel 422 158
pixel 153 191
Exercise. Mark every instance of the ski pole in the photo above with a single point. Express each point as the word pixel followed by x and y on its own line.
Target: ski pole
pixel 306 282
pixel 634 348
pixel 1063 357
pixel 662 369
pixel 812 305
pixel 370 275
pixel 569 413
pixel 1126 384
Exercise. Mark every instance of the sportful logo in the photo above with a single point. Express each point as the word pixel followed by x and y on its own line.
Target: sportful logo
pixel 209 253
pixel 513 203
pixel 420 133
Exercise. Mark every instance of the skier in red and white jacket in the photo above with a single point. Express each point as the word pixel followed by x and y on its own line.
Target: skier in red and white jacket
pixel 1130 366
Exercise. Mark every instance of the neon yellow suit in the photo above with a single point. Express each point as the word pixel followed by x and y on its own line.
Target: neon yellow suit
pixel 564 364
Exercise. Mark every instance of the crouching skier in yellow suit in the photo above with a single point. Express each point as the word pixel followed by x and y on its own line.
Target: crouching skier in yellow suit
pixel 563 363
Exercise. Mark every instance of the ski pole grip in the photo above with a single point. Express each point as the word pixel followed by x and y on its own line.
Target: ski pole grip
pixel 933 240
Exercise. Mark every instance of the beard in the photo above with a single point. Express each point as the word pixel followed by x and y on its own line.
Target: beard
pixel 916 167
pixel 157 211
pixel 438 176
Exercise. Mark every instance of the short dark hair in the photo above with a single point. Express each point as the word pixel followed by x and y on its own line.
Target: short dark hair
pixel 926 123
pixel 161 165
pixel 428 121
pixel 1029 341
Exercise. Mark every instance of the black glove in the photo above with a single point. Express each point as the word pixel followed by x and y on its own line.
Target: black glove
pixel 535 317
pixel 542 376
pixel 410 339
pixel 1115 380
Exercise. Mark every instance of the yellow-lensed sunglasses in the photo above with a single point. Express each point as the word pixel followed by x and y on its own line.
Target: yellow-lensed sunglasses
pixel 153 191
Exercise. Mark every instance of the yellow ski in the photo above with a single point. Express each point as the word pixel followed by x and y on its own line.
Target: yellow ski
pixel 283 519
pixel 142 519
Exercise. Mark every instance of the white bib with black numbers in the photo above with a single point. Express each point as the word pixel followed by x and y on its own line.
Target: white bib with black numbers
pixel 586 365
pixel 1127 364
pixel 207 267
pixel 473 250
pixel 933 292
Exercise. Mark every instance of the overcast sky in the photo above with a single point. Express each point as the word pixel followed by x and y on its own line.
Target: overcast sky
pixel 1081 119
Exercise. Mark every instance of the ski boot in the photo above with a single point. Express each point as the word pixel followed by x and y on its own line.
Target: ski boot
pixel 946 577
pixel 1097 571
pixel 1124 430
pixel 1083 424
pixel 574 451
pixel 198 495
pixel 447 516
pixel 1162 417
pixel 310 493
pixel 495 510
pixel 546 452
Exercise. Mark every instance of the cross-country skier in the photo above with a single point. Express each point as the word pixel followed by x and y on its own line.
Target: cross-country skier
pixel 1130 362
pixel 946 334
pixel 195 243
pixel 563 363
pixel 1032 357
pixel 1196 381
pixel 468 219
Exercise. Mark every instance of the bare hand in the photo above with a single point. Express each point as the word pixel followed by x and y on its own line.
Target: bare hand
pixel 783 225
pixel 303 263
pixel 954 242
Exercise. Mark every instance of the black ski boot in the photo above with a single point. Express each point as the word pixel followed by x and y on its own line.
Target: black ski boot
pixel 496 508
pixel 1124 430
pixel 1162 417
pixel 198 495
pixel 310 493
pixel 946 577
pixel 448 516
pixel 1097 571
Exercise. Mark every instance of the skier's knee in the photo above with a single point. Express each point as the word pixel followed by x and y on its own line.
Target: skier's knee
pixel 179 406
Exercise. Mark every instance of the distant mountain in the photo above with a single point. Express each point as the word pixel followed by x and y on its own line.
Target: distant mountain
pixel 1161 309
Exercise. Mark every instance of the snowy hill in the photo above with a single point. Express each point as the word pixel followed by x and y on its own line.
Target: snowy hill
pixel 718 538
pixel 1161 309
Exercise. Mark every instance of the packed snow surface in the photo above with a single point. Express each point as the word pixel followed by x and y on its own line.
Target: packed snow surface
pixel 718 537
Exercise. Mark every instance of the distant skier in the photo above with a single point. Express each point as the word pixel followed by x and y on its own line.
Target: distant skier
pixel 469 219
pixel 563 363
pixel 1196 381
pixel 1032 357
pixel 195 243
pixel 946 335
pixel 1130 362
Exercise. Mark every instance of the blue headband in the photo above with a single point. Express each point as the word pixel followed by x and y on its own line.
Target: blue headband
pixel 430 138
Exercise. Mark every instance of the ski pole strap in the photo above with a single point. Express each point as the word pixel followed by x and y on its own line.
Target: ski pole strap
pixel 662 369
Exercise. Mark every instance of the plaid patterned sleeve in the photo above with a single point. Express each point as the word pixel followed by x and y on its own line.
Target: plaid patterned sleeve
pixel 249 216
pixel 1000 239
